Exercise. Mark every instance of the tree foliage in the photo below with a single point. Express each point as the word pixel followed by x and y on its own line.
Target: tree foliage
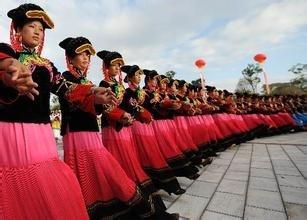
pixel 54 102
pixel 170 74
pixel 300 80
pixel 250 75
pixel 243 86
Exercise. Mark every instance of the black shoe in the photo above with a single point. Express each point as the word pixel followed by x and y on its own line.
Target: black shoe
pixel 174 216
pixel 179 191
pixel 207 161
pixel 194 176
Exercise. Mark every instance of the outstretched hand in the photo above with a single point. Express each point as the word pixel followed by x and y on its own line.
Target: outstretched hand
pixel 104 96
pixel 19 77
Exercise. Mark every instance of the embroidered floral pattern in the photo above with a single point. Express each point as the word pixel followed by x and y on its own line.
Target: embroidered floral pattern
pixel 31 60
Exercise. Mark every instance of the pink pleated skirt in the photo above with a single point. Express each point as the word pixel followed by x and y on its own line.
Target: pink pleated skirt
pixel 103 181
pixel 34 183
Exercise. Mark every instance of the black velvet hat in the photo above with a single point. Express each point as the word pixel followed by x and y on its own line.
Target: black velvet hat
pixel 210 88
pixel 227 93
pixel 74 46
pixel 131 71
pixel 172 82
pixel 239 94
pixel 150 74
pixel 163 78
pixel 181 83
pixel 193 88
pixel 29 12
pixel 110 57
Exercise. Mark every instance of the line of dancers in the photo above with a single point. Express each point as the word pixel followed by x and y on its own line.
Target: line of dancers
pixel 148 136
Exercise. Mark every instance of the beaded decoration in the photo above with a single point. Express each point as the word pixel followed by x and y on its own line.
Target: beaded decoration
pixel 31 60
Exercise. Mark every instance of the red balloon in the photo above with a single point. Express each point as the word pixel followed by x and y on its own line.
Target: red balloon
pixel 260 57
pixel 200 63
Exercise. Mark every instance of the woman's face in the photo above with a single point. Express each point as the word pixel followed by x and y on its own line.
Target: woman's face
pixel 153 82
pixel 32 34
pixel 82 60
pixel 114 69
pixel 135 79
pixel 163 86
pixel 184 88
pixel 173 88
pixel 191 93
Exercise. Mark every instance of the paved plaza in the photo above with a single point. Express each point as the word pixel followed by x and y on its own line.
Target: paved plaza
pixel 262 179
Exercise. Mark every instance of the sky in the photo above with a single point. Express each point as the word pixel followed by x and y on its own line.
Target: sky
pixel 171 34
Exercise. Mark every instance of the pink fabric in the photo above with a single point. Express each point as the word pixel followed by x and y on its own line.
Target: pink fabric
pixel 122 146
pixel 165 139
pixel 279 121
pixel 219 120
pixel 183 137
pixel 25 143
pixel 147 146
pixel 287 118
pixel 34 183
pixel 195 130
pixel 100 175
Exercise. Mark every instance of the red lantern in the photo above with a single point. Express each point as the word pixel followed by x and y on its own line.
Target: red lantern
pixel 200 63
pixel 260 57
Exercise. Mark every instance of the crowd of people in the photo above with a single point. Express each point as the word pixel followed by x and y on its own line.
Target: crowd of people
pixel 147 137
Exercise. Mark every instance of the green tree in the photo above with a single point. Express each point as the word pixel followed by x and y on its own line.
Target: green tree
pixel 243 86
pixel 170 74
pixel 300 80
pixel 250 74
pixel 54 102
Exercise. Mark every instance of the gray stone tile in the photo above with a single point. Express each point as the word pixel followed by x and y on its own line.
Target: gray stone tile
pixel 300 161
pixel 293 181
pixel 261 159
pixel 166 197
pixel 263 165
pixel 244 151
pixel 239 167
pixel 226 155
pixel 264 199
pixel 217 168
pixel 302 167
pixel 287 171
pixel 167 203
pixel 283 163
pixel 263 214
pixel 263 184
pixel 184 182
pixel 232 175
pixel 218 161
pixel 243 154
pixel 232 186
pixel 190 207
pixel 204 189
pixel 208 215
pixel 241 160
pixel 294 195
pixel 303 149
pixel 297 212
pixel 227 204
pixel 279 157
pixel 265 173
pixel 209 176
